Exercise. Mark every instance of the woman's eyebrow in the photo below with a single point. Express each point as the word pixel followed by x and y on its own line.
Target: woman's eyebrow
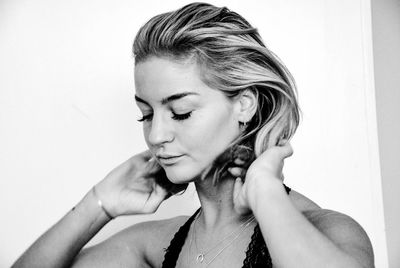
pixel 140 100
pixel 168 99
pixel 175 97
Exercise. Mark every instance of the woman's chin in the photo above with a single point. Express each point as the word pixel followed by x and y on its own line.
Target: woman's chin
pixel 180 176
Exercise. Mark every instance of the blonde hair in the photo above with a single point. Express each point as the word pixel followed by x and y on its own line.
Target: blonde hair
pixel 234 58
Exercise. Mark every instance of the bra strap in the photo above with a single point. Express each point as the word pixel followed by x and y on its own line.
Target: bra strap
pixel 175 247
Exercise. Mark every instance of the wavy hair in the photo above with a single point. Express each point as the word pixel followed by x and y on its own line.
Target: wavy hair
pixel 233 58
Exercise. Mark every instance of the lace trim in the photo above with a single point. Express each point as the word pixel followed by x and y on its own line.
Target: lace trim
pixel 257 254
pixel 174 249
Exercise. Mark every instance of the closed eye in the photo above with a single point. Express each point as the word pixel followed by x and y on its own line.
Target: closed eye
pixel 146 118
pixel 178 117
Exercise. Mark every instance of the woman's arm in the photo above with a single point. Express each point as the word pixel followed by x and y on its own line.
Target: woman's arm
pixel 129 189
pixel 312 239
pixel 62 242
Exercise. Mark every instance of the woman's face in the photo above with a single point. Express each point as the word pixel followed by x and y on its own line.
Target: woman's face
pixel 186 124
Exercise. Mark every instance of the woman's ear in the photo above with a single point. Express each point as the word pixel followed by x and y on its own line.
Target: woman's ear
pixel 246 105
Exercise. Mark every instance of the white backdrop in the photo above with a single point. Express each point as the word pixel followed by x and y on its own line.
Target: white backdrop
pixel 67 112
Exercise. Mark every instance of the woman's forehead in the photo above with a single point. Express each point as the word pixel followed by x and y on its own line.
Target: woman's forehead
pixel 159 78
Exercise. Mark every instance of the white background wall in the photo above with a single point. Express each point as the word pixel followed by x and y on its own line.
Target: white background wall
pixel 67 113
pixel 386 44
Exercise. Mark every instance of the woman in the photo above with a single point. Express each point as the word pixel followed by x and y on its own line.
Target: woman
pixel 218 110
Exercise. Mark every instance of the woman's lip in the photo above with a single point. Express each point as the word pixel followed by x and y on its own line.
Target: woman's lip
pixel 169 160
pixel 167 156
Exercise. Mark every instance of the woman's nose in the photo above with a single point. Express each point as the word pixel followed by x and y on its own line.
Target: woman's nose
pixel 160 131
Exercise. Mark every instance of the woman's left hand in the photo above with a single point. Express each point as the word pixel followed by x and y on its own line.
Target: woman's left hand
pixel 265 171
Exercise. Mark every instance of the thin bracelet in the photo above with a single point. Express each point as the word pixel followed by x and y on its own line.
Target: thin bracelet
pixel 101 203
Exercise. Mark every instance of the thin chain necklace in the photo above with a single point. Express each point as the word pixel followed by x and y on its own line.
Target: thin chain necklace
pixel 200 257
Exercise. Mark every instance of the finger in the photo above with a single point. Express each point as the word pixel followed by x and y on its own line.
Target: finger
pixel 146 155
pixel 277 153
pixel 282 151
pixel 238 199
pixel 236 171
pixel 155 198
pixel 239 162
pixel 152 166
pixel 282 142
pixel 286 149
pixel 237 187
pixel 159 191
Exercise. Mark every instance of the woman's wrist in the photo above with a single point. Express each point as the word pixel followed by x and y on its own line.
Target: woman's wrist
pixel 89 209
pixel 100 204
pixel 267 193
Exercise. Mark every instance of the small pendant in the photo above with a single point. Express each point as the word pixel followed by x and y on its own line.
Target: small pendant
pixel 200 258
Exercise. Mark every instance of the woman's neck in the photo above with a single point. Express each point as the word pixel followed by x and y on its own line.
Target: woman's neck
pixel 217 204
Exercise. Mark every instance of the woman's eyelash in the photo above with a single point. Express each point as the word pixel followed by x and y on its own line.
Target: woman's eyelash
pixel 180 117
pixel 175 116
pixel 145 118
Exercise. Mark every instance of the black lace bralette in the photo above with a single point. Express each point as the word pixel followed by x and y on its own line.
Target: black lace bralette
pixel 257 254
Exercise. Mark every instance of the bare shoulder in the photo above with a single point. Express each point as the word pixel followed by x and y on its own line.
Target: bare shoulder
pixel 340 228
pixel 344 232
pixel 301 202
pixel 142 244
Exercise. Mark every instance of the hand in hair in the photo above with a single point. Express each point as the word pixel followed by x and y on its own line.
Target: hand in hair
pixel 133 187
pixel 264 171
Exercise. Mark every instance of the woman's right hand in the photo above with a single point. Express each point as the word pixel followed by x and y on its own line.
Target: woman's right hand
pixel 131 187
